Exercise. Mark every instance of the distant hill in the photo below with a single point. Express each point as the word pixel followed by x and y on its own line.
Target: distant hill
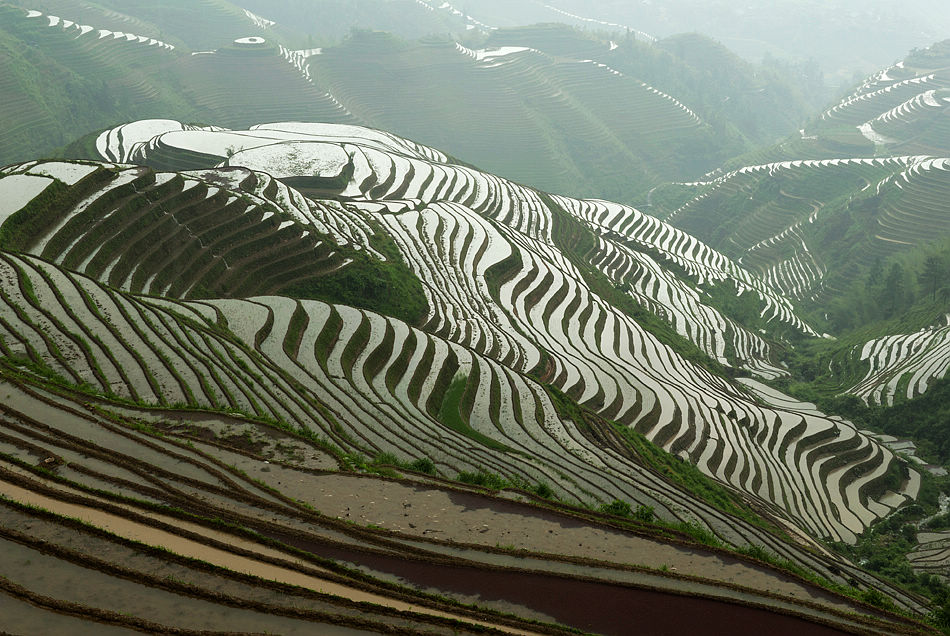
pixel 548 105
pixel 837 38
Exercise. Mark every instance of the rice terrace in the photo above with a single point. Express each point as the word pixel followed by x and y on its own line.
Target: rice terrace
pixel 522 317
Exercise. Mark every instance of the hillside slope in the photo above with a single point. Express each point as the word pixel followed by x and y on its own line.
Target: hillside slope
pixel 516 307
pixel 365 384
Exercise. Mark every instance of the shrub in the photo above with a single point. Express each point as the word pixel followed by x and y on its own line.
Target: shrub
pixel 644 514
pixel 875 597
pixel 617 507
pixel 422 465
pixel 482 478
pixel 543 490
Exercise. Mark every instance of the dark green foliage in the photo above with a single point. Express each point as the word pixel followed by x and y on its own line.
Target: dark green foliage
pixel 645 514
pixel 387 287
pixel 22 228
pixel 741 101
pixel 483 478
pixel 617 507
pixel 934 275
pixel 422 465
pixel 941 615
pixel 940 522
pixel 66 86
pixel 543 490
pixel 746 309
pixel 883 550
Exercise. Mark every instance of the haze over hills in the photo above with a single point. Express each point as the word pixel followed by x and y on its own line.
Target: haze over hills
pixel 837 38
pixel 444 329
pixel 567 106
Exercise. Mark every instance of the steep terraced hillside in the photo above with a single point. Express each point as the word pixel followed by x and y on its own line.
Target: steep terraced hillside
pixel 786 220
pixel 565 113
pixel 848 241
pixel 364 384
pixel 901 109
pixel 60 74
pixel 68 73
pixel 195 304
pixel 903 365
pixel 512 300
pixel 580 116
pixel 565 107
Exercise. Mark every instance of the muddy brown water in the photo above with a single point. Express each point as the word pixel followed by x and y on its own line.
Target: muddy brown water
pixel 588 605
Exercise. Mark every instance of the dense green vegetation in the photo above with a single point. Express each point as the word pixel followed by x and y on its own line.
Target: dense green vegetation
pixel 904 293
pixel 54 87
pixel 883 550
pixel 388 287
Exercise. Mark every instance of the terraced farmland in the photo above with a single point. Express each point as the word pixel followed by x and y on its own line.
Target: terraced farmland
pixel 67 50
pixel 71 68
pixel 525 94
pixel 794 214
pixel 566 115
pixel 901 108
pixel 507 303
pixel 902 366
pixel 305 377
pixel 373 385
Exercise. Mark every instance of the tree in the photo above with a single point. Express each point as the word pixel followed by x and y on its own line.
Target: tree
pixel 875 275
pixel 617 507
pixel 933 274
pixel 894 293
